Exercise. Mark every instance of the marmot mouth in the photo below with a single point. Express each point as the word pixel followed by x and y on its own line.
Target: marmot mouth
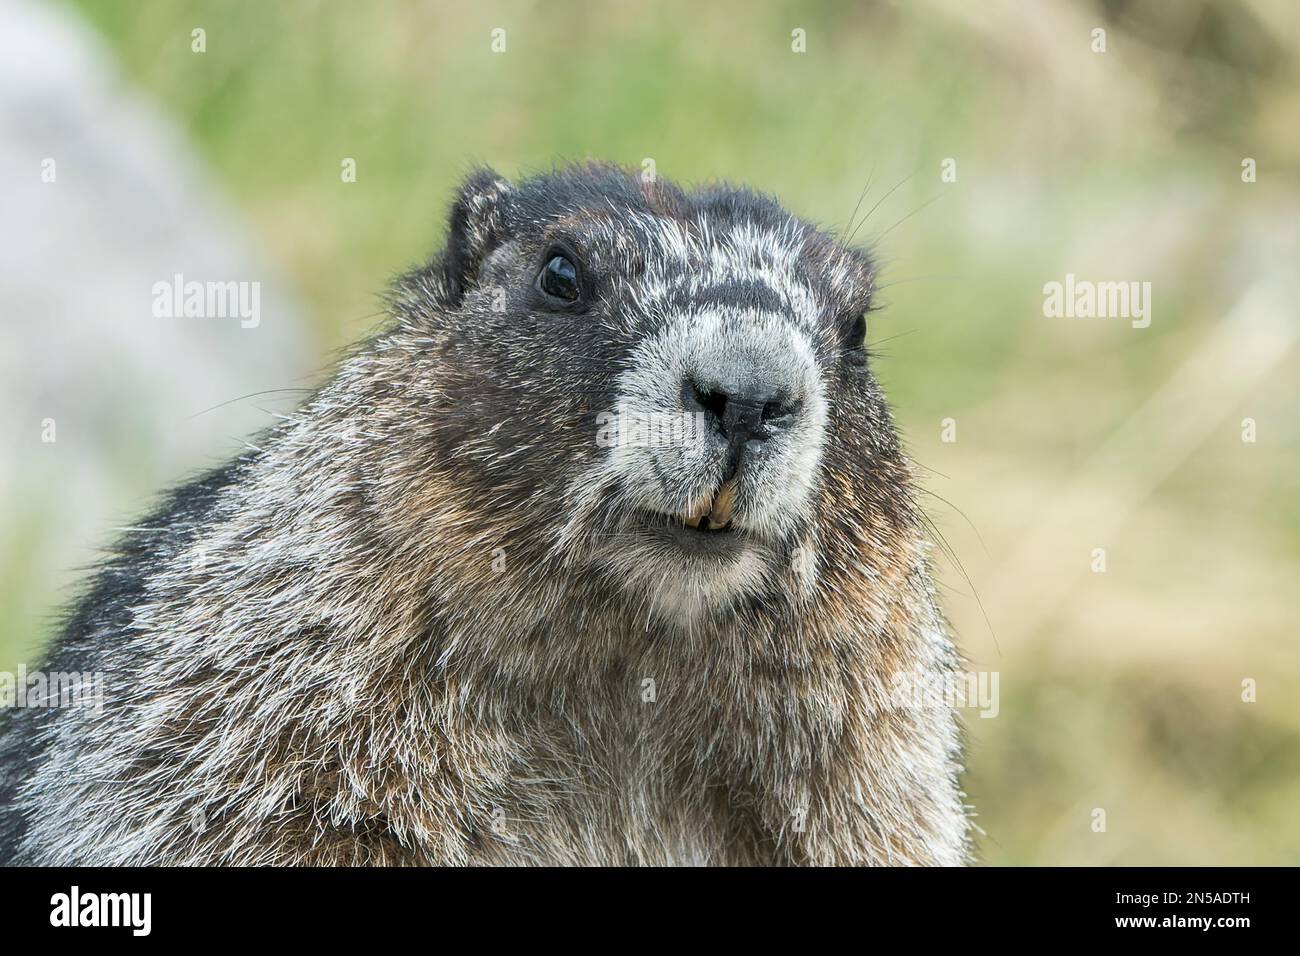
pixel 714 514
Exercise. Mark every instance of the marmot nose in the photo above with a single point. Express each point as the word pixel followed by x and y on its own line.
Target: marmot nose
pixel 741 415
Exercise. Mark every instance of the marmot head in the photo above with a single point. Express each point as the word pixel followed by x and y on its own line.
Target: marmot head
pixel 667 390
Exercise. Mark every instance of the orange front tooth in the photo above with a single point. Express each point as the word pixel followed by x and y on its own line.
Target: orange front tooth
pixel 720 513
pixel 693 515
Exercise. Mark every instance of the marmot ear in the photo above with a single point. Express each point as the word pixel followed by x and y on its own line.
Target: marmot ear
pixel 477 227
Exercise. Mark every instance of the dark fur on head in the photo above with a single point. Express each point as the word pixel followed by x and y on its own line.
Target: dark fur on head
pixel 452 611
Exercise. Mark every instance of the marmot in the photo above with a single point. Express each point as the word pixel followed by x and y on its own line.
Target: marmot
pixel 604 551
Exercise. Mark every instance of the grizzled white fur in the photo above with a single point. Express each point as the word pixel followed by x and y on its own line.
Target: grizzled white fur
pixel 727 344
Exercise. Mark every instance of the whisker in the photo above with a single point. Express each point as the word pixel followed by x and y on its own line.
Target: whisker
pixel 893 189
pixel 928 202
pixel 861 197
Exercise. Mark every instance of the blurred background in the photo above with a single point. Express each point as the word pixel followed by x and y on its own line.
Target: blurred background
pixel 1121 689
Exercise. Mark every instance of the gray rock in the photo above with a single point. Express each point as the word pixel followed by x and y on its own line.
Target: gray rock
pixel 137 400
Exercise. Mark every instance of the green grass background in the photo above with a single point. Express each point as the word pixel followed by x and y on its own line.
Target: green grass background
pixel 1123 691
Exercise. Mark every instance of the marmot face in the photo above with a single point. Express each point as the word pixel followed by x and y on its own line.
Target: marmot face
pixel 666 379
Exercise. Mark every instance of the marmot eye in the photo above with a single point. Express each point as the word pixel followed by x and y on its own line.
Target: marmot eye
pixel 559 279
pixel 855 341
